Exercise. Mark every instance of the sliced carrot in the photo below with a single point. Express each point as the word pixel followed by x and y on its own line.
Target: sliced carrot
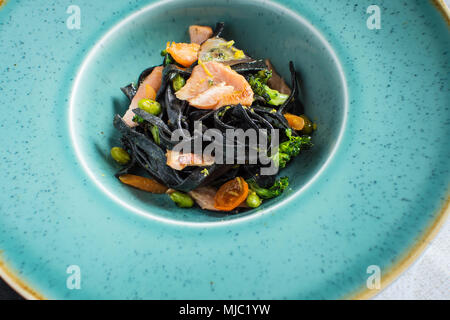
pixel 295 122
pixel 231 194
pixel 183 53
pixel 143 183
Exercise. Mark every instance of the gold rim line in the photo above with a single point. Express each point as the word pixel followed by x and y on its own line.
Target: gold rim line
pixel 407 259
pixel 443 8
pixel 20 286
pixel 3 3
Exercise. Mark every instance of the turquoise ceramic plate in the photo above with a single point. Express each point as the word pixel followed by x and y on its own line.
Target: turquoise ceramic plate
pixel 371 192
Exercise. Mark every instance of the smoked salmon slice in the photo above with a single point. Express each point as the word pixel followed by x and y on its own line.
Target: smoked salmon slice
pixel 179 161
pixel 204 197
pixel 183 53
pixel 200 34
pixel 146 90
pixel 213 85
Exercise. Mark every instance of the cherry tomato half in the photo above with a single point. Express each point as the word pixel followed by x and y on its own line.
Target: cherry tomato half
pixel 231 194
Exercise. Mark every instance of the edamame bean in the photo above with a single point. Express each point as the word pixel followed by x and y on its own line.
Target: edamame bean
pixel 181 199
pixel 120 155
pixel 253 200
pixel 151 106
pixel 178 82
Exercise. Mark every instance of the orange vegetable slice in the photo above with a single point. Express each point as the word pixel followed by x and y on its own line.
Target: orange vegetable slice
pixel 295 122
pixel 143 183
pixel 150 93
pixel 231 194
pixel 183 53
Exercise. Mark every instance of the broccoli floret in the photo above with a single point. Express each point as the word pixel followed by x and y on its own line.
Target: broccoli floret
pixel 264 75
pixel 258 82
pixel 295 143
pixel 138 119
pixel 272 192
pixel 291 148
pixel 281 159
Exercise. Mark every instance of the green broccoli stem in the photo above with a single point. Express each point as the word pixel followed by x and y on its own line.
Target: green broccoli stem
pixel 155 133
pixel 276 98
pixel 267 193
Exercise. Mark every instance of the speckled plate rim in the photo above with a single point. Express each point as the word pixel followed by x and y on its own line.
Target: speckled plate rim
pixel 395 270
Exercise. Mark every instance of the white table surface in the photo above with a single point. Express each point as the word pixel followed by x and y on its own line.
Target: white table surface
pixel 428 277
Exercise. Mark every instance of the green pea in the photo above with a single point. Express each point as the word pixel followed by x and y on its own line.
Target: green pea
pixel 151 106
pixel 181 199
pixel 309 127
pixel 253 200
pixel 120 155
pixel 178 82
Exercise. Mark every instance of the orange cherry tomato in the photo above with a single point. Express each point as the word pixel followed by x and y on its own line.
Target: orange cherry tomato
pixel 183 53
pixel 143 183
pixel 231 194
pixel 295 122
